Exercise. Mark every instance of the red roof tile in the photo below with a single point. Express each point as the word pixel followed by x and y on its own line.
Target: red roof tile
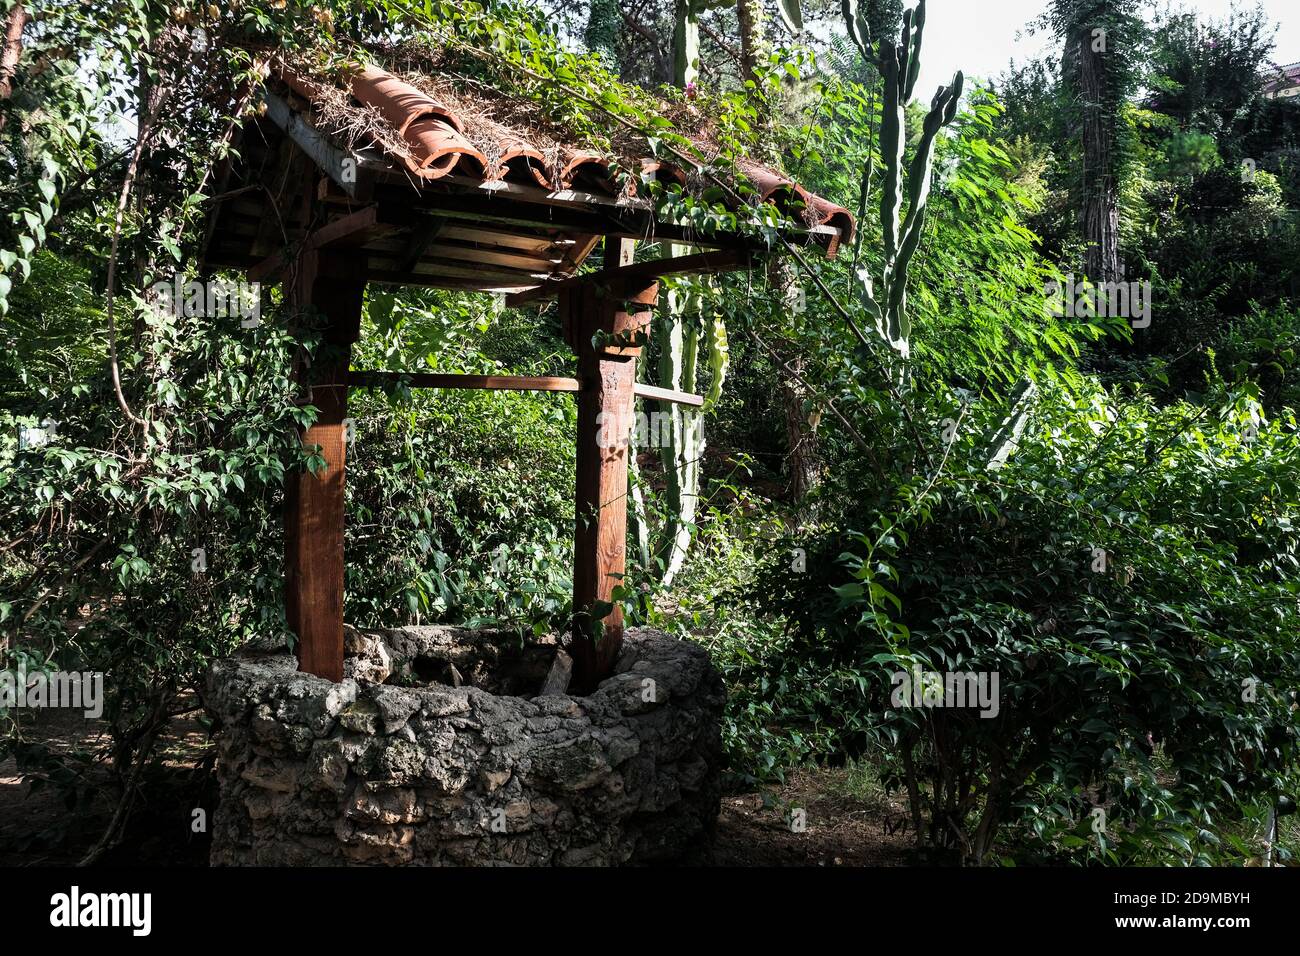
pixel 438 146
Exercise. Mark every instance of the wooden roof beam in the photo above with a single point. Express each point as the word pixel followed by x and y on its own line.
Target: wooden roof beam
pixel 341 167
pixel 355 229
pixel 722 260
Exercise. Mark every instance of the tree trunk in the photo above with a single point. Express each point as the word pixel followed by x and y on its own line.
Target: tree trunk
pixel 601 35
pixel 749 14
pixel 801 417
pixel 804 459
pixel 1100 209
pixel 13 48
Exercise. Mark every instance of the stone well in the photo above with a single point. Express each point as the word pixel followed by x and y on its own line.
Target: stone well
pixel 437 748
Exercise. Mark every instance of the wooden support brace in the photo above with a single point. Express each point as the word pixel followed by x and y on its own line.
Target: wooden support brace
pixel 351 230
pixel 667 395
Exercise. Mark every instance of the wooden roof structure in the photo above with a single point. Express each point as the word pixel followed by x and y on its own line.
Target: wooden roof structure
pixel 433 207
pixel 375 179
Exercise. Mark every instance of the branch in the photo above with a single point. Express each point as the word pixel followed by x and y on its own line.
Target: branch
pixel 858 439
pixel 731 50
pixel 644 32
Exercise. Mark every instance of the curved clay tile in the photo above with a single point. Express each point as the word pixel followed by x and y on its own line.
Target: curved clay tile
pixel 829 214
pixel 784 193
pixel 520 161
pixel 792 199
pixel 432 131
pixel 661 172
pixel 588 171
pixel 399 102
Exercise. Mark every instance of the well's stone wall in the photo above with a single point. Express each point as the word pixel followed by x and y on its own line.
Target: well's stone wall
pixel 419 770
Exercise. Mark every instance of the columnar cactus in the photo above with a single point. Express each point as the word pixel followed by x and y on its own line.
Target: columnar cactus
pixel 899 65
pixel 682 322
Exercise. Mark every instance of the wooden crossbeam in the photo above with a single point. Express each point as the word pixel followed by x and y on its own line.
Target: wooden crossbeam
pixel 512 383
pixel 354 229
pixel 667 395
pixel 719 260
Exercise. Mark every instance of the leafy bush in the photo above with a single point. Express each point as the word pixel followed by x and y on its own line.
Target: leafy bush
pixel 1129 575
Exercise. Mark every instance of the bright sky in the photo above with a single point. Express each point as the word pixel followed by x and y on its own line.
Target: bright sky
pixel 982 36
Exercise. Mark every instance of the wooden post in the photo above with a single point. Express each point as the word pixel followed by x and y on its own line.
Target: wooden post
pixel 332 285
pixel 605 413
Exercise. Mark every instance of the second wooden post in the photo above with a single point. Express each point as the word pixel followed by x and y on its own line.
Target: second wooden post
pixel 606 321
pixel 330 285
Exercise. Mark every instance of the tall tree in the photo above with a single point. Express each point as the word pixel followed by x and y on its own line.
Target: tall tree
pixel 749 17
pixel 601 35
pixel 13 48
pixel 1101 48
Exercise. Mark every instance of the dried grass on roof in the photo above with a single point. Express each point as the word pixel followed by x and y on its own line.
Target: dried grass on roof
pixel 494 120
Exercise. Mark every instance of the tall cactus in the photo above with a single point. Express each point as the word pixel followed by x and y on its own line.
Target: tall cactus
pixel 686 41
pixel 899 65
pixel 681 324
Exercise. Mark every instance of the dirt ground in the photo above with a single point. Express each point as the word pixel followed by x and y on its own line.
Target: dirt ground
pixel 815 819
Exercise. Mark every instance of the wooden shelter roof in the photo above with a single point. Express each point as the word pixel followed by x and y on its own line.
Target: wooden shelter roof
pixel 439 182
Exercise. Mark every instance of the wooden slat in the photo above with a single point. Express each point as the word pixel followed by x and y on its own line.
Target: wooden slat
pixel 486 276
pixel 441 250
pixel 436 251
pixel 667 395
pixel 500 238
pixel 481 209
pixel 512 383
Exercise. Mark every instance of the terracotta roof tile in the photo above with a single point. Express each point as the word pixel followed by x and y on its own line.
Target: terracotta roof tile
pixel 432 131
pixel 438 144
